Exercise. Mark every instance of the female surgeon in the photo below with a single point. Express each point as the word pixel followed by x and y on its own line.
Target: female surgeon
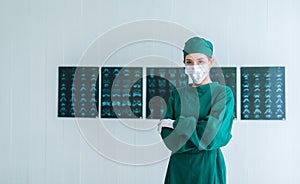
pixel 198 121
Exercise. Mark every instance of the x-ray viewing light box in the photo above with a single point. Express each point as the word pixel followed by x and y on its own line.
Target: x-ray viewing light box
pixel 121 91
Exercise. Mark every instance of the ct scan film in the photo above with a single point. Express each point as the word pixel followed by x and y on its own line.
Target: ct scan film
pixel 263 93
pixel 160 82
pixel 121 92
pixel 78 89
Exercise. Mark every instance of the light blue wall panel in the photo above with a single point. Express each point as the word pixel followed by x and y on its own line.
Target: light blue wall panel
pixel 38 36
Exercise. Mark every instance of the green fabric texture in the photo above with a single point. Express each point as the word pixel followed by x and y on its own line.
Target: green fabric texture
pixel 198 45
pixel 203 120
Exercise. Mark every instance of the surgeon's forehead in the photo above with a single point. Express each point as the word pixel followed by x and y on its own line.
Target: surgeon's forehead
pixel 196 56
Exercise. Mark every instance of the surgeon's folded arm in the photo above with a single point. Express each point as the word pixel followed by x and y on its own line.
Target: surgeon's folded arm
pixel 215 134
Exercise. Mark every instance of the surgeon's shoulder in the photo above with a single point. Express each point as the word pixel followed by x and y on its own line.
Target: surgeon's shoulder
pixel 222 89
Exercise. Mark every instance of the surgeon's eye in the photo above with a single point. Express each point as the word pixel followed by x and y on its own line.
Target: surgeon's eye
pixel 201 62
pixel 188 62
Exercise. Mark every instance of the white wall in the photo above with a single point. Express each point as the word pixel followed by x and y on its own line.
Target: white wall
pixel 37 36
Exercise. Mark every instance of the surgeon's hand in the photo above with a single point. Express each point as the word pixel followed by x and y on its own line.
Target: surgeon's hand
pixel 168 123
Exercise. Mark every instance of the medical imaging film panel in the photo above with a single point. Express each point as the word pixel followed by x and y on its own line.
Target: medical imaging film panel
pixel 78 92
pixel 121 92
pixel 225 76
pixel 160 82
pixel 263 93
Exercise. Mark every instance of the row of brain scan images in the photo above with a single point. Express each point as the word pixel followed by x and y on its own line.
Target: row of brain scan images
pixel 121 91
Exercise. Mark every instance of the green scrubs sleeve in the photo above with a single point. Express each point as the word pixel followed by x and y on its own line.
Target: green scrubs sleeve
pixel 217 132
pixel 175 138
pixel 209 133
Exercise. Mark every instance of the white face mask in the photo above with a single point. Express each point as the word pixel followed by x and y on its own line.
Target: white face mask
pixel 197 72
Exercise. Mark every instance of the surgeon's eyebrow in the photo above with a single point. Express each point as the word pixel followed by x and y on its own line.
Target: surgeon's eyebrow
pixel 200 58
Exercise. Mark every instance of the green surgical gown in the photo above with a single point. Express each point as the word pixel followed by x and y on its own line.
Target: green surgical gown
pixel 203 120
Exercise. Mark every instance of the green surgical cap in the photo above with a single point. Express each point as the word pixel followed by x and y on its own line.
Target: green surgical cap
pixel 198 45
